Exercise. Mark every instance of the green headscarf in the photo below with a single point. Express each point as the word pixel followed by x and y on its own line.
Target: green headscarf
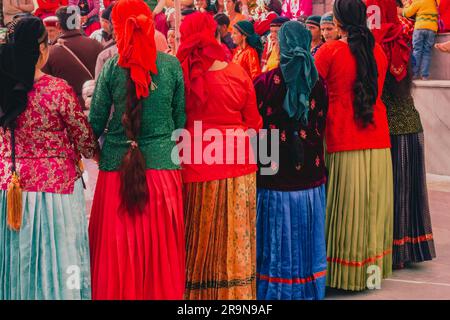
pixel 246 28
pixel 297 65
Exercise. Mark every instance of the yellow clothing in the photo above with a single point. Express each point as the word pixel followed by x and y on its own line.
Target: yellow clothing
pixel 426 14
pixel 273 61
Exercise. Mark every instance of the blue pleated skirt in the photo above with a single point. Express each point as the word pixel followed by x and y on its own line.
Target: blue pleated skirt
pixel 49 257
pixel 291 250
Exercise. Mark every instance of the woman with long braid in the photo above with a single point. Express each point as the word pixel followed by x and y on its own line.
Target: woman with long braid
pixel 360 186
pixel 137 227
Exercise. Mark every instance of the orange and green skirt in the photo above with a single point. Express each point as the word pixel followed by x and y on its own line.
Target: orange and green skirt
pixel 220 219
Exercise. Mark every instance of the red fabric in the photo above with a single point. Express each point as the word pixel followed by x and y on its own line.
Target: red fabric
pixel 233 106
pixel 91 28
pixel 47 8
pixel 135 37
pixel 444 11
pixel 263 26
pixel 197 52
pixel 336 64
pixel 138 256
pixel 392 38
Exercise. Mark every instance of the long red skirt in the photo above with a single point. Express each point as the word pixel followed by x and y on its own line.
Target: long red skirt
pixel 138 256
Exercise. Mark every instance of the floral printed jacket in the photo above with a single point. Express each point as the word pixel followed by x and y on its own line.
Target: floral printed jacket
pixel 51 134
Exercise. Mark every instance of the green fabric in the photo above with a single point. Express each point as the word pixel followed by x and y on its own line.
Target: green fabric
pixel 246 28
pixel 49 251
pixel 403 118
pixel 360 213
pixel 151 3
pixel 297 66
pixel 163 112
pixel 327 18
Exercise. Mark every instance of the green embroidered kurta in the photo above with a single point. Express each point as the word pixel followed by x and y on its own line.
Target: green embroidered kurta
pixel 403 118
pixel 163 112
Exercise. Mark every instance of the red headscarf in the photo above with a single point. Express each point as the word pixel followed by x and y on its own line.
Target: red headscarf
pixel 263 26
pixel 392 37
pixel 135 37
pixel 197 52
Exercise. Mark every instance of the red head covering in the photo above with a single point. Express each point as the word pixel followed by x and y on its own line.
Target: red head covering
pixel 392 38
pixel 135 37
pixel 198 51
pixel 263 26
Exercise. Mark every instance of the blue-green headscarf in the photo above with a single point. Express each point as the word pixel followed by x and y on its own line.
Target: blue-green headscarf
pixel 297 65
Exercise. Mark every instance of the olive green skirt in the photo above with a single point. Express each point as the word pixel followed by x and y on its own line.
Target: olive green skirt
pixel 359 226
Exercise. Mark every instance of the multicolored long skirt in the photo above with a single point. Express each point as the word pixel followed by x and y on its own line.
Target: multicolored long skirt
pixel 221 239
pixel 138 256
pixel 359 223
pixel 48 259
pixel 291 248
pixel 413 235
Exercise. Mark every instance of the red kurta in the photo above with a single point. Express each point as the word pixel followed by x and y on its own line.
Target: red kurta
pixel 231 106
pixel 336 64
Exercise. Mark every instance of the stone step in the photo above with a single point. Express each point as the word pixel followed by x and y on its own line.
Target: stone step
pixel 432 100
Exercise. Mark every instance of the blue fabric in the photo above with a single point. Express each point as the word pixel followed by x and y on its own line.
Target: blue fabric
pixel 291 244
pixel 423 41
pixel 41 260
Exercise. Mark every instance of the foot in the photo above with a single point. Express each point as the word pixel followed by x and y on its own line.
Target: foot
pixel 443 47
pixel 425 78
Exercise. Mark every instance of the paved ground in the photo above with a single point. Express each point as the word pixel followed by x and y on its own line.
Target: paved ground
pixel 423 281
pixel 427 280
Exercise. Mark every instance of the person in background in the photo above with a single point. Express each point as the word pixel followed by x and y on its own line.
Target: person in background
pixel 233 10
pixel 313 25
pixel 249 48
pixel 73 56
pixel 220 198
pixel 104 34
pixel 43 131
pixel 89 10
pixel 291 248
pixel 294 9
pixel 273 51
pixel 424 35
pixel 328 28
pixel 223 24
pixel 171 42
pixel 413 235
pixel 136 228
pixel 205 6
pixel 51 25
pixel 360 208
pixel 47 8
pixel 12 8
pixel 157 7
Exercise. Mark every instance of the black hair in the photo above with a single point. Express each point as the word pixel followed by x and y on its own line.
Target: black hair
pixel 64 14
pixel 222 19
pixel 351 15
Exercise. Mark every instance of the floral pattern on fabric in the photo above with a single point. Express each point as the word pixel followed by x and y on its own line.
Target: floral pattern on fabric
pixel 51 135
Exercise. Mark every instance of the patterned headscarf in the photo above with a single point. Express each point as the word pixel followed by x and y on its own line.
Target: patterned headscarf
pixel 297 66
pixel 135 36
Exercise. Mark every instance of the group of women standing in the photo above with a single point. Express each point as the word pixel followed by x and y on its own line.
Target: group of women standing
pixel 209 231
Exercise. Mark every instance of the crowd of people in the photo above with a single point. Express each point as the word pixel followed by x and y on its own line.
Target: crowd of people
pixel 345 197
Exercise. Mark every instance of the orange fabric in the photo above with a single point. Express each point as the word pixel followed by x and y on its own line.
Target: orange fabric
pixel 135 37
pixel 238 17
pixel 198 50
pixel 248 59
pixel 337 66
pixel 221 239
